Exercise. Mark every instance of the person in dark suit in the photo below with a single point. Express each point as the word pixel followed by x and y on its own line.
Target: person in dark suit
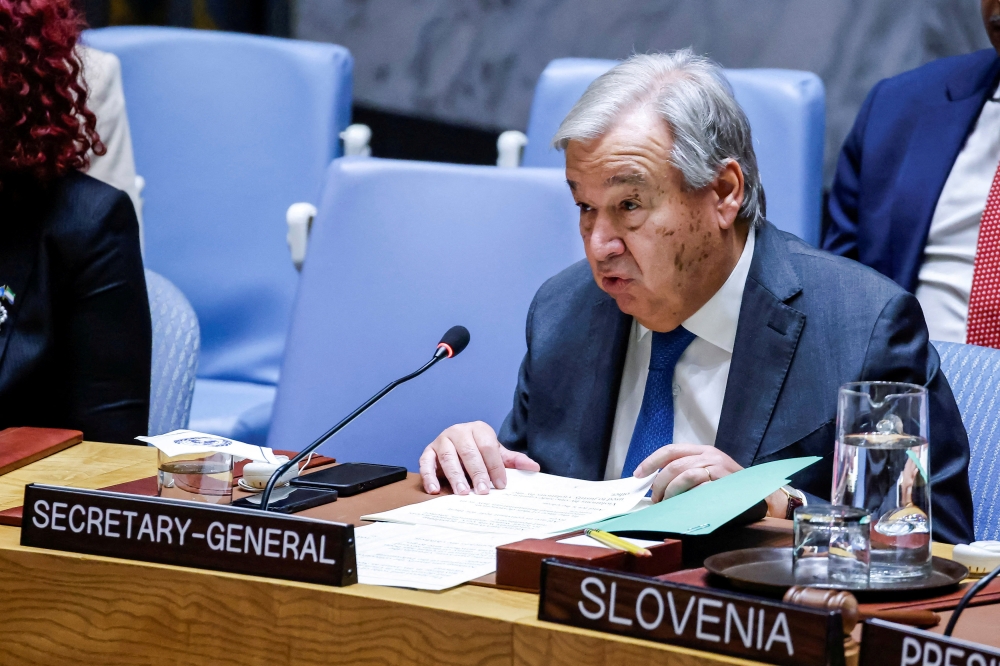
pixel 697 339
pixel 914 179
pixel 75 333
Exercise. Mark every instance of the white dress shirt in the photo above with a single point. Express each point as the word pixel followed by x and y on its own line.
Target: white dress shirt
pixel 945 278
pixel 700 376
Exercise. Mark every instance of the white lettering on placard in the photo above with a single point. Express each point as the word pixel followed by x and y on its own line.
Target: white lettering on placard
pixel 41 512
pixel 585 585
pixel 323 559
pixel 109 522
pixel 146 528
pixel 181 529
pixel 928 653
pixel 308 546
pixel 232 537
pixel 704 617
pixel 780 623
pixel 57 516
pixel 83 523
pixel 94 518
pixel 268 542
pixel 611 608
pixel 128 523
pixel 216 536
pixel 643 622
pixel 163 527
pixel 733 617
pixel 288 544
pixel 760 628
pixel 679 628
pixel 255 539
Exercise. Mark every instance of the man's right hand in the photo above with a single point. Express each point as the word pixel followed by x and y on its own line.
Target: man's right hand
pixel 470 451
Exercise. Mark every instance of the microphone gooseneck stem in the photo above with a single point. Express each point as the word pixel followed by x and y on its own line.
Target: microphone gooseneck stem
pixel 278 473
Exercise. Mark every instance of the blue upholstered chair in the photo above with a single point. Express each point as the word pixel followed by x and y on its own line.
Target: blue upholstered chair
pixel 400 252
pixel 176 341
pixel 228 131
pixel 787 119
pixel 974 375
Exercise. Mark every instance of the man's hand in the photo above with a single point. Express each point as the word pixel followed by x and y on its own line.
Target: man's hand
pixel 469 449
pixel 684 466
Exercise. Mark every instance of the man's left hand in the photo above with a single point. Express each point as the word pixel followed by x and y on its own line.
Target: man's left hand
pixel 685 466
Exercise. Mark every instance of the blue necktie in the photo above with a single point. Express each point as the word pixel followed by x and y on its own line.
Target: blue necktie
pixel 655 426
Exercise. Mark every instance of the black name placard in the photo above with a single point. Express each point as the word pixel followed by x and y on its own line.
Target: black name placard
pixel 711 620
pixel 204 536
pixel 889 644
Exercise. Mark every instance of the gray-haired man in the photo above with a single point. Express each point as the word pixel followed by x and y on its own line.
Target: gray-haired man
pixel 696 339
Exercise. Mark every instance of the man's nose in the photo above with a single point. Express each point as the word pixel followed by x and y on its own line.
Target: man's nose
pixel 605 241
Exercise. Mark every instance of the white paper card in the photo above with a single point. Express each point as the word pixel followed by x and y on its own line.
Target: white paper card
pixel 180 442
pixel 532 504
pixel 584 540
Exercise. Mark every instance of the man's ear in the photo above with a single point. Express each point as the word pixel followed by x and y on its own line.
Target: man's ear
pixel 728 187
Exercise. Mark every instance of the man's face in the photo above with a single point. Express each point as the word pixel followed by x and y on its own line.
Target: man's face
pixel 659 249
pixel 991 19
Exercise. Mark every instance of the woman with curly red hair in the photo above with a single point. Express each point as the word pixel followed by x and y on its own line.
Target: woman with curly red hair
pixel 75 334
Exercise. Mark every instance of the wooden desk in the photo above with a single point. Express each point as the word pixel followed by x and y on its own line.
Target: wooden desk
pixel 66 608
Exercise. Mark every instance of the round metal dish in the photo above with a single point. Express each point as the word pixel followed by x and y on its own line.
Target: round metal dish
pixel 768 571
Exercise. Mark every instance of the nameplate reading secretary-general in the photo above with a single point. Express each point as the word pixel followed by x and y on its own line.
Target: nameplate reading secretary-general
pixel 696 338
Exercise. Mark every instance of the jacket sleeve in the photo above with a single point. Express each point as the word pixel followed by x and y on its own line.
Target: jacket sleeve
pixel 107 330
pixel 514 431
pixel 841 234
pixel 900 351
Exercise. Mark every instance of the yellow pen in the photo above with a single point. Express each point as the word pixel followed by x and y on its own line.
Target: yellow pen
pixel 612 541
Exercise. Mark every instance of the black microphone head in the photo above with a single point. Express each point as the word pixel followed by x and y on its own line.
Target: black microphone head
pixel 454 340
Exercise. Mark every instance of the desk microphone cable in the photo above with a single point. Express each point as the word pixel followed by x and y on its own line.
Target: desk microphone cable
pixel 967 598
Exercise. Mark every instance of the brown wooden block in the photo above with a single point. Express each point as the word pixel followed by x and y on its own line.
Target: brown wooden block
pixel 22 446
pixel 519 564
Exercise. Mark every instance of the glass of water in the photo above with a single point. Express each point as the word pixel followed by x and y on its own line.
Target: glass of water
pixel 831 546
pixel 200 477
pixel 881 465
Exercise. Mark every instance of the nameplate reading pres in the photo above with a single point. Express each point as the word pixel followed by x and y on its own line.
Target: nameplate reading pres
pixel 192 534
pixel 890 644
pixel 703 619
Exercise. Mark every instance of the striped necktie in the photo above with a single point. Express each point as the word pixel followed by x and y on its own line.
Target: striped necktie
pixel 655 426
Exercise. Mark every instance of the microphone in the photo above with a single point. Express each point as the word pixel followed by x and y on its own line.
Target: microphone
pixel 454 341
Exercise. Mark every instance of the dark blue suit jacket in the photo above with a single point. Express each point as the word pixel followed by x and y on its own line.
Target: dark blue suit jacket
pixel 75 350
pixel 897 157
pixel 809 322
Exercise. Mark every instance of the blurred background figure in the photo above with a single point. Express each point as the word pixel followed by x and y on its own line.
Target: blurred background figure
pixel 917 190
pixel 75 332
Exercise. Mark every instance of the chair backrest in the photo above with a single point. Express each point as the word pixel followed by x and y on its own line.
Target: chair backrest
pixel 228 131
pixel 400 252
pixel 176 341
pixel 787 116
pixel 974 375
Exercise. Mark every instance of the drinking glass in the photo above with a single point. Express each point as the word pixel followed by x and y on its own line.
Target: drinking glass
pixel 831 546
pixel 200 477
pixel 881 465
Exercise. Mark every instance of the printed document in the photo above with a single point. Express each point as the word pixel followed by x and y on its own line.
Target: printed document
pixel 450 540
pixel 532 504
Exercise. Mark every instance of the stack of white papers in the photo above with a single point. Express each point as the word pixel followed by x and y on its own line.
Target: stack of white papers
pixel 450 540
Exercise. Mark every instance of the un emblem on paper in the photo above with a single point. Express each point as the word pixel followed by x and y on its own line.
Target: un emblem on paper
pixel 214 442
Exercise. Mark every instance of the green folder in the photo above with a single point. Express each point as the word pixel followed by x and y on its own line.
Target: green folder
pixel 704 508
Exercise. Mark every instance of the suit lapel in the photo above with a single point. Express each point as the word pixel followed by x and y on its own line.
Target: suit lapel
pixel 18 256
pixel 766 337
pixel 606 348
pixel 934 145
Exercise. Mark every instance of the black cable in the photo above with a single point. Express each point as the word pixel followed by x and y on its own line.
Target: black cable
pixel 973 591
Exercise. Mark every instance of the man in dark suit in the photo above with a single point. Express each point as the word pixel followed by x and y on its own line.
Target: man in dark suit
pixel 917 193
pixel 696 339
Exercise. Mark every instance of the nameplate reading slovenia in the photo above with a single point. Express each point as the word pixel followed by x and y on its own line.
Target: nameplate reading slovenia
pixel 889 644
pixel 703 619
pixel 205 536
